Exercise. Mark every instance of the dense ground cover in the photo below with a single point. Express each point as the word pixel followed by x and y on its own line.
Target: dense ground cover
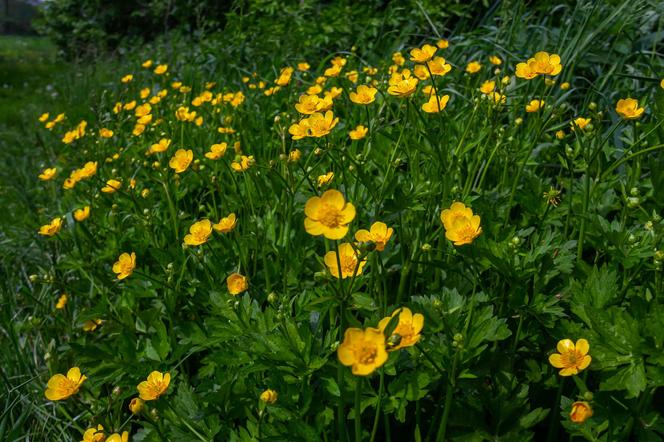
pixel 177 218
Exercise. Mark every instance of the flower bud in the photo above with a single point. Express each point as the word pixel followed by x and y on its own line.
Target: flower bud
pixel 269 396
pixel 272 298
pixel 136 405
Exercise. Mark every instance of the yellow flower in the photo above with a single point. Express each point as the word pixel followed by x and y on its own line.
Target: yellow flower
pixel 147 64
pixel 545 63
pixel 226 224
pixel 60 387
pixel 564 86
pixel 321 125
pixel 442 43
pixel 398 59
pixel 473 67
pixel 363 95
pixel 580 122
pixel 328 215
pixel 125 265
pixel 236 283
pixel 358 133
pixel 284 76
pixel 155 386
pixel 52 228
pixel 48 174
pixel 581 411
pixel 43 117
pixel 294 156
pixel 116 437
pixel 498 98
pixel 127 78
pixel 245 163
pixel 348 259
pixel 325 179
pixel 129 106
pixel 199 232
pixel 402 84
pixel 534 105
pixel 181 160
pixel 495 60
pixel 62 302
pixel 407 331
pixel 461 226
pixel 353 76
pixel 628 108
pixel 423 54
pixel 161 69
pixel 91 324
pixel 159 147
pixel 560 134
pixel 379 234
pixel 82 214
pixel 94 434
pixel 488 86
pixel 216 151
pixel 307 104
pixel 111 186
pixel 421 72
pixel 136 405
pixel 105 133
pixel 435 104
pixel 363 350
pixel 332 71
pixel 303 66
pixel 269 396
pixel 524 71
pixel 438 66
pixel 571 358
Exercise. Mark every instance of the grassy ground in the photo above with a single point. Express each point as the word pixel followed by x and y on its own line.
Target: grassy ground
pixel 570 218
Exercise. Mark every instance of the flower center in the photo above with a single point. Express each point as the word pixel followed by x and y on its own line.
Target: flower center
pixel 467 232
pixel 330 216
pixel 367 354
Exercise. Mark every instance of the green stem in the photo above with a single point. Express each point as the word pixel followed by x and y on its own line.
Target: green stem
pixel 553 423
pixel 358 409
pixel 442 429
pixel 374 430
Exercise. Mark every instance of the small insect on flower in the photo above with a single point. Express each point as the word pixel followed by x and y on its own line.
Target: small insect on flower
pixel 628 108
pixel 52 228
pixel 236 283
pixel 328 215
pixel 125 265
pixel 407 332
pixel 581 411
pixel 199 232
pixel 269 396
pixel 61 387
pixel 571 358
pixel 155 386
pixel 461 225
pixel 363 350
pixel 94 434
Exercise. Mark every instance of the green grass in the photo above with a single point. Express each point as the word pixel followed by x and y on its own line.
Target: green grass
pixel 493 310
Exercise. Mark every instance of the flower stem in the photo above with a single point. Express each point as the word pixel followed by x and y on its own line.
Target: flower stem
pixel 358 409
pixel 380 399
pixel 442 429
pixel 553 423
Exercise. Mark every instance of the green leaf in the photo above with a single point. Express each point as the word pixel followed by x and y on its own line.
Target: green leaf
pixel 631 378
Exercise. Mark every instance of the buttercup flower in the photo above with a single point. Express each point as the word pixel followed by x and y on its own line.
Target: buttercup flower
pixel 435 104
pixel 236 283
pixel 495 60
pixel 303 66
pixel 628 108
pixel 155 386
pixel 60 387
pixel 379 234
pixel 94 434
pixel 325 179
pixel 398 59
pixel 488 86
pixel 245 163
pixel 348 259
pixel 136 405
pixel 534 105
pixel 498 98
pixel 116 437
pixel 564 86
pixel 438 66
pixel 48 174
pixel 127 78
pixel 105 133
pixel 545 63
pixel 461 226
pixel 269 396
pixel 43 117
pixel 363 350
pixel 328 215
pixel 62 302
pixel 125 265
pixel 181 160
pixel 363 95
pixel 407 331
pixel 91 324
pixel 402 84
pixel 571 358
pixel 294 156
pixel 199 232
pixel 82 214
pixel 580 122
pixel 473 67
pixel 52 228
pixel 161 69
pixel 581 411
pixel 226 224
pixel 423 54
pixel 111 186
pixel 321 125
pixel 358 133
pixel 442 43
pixel 307 104
pixel 524 71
